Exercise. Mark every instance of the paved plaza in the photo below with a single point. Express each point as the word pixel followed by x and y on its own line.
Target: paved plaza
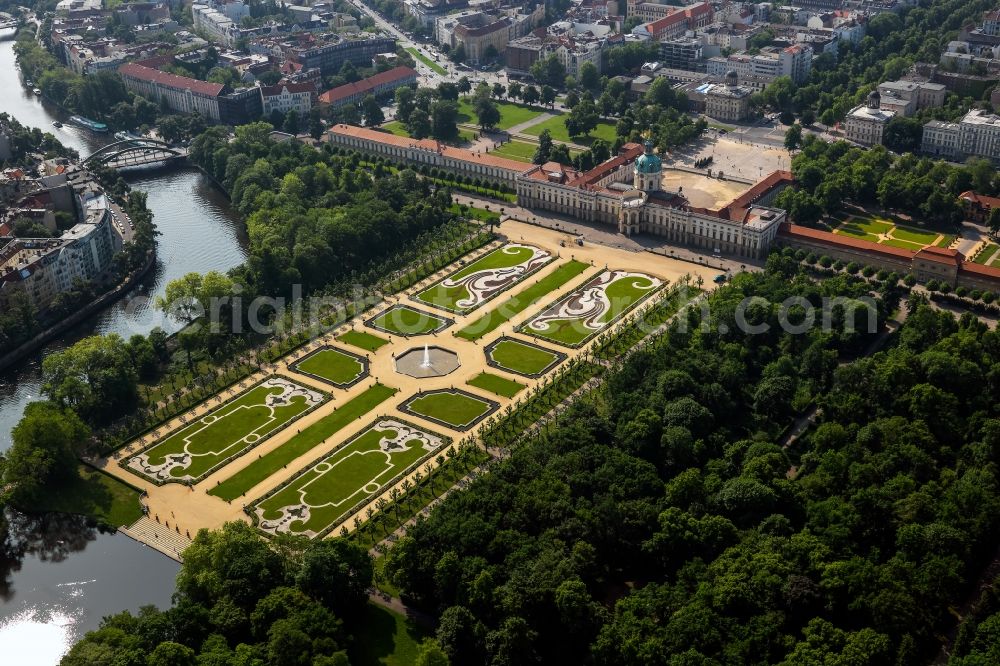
pixel 445 404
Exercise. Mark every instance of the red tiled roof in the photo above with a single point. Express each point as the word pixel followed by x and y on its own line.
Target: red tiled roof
pixel 979 270
pixel 629 152
pixel 736 208
pixel 171 80
pixel 828 238
pixel 981 199
pixel 941 255
pixel 432 145
pixel 365 85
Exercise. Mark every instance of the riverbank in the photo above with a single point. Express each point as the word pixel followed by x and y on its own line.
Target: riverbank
pixel 75 319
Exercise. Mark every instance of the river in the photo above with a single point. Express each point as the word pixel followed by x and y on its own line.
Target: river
pixel 58 586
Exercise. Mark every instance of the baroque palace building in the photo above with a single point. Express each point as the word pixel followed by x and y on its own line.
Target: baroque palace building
pixel 625 192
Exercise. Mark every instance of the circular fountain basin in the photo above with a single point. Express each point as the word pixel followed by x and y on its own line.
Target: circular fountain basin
pixel 431 361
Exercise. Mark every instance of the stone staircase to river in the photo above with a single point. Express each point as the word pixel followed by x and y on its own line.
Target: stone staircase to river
pixel 157 535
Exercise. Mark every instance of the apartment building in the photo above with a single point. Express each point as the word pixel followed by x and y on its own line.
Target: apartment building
pixel 907 97
pixel 285 97
pixel 379 85
pixel 330 54
pixel 792 61
pixel 181 94
pixel 977 134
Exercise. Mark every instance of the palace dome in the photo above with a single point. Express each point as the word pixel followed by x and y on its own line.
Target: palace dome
pixel 648 162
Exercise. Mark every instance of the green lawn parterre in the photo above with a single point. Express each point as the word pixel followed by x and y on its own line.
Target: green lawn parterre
pixel 362 340
pixel 302 443
pixel 516 150
pixel 918 236
pixel 987 254
pixel 510 114
pixel 333 365
pixel 556 125
pixel 478 282
pixel 906 245
pixel 451 407
pixel 193 450
pixel 314 501
pixel 496 384
pixel 517 303
pixel 405 320
pixel 587 311
pixel 522 358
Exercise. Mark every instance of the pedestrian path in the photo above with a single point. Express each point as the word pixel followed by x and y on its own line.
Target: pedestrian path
pixel 160 536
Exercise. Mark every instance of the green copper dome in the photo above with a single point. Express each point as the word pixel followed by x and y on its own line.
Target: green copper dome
pixel 648 162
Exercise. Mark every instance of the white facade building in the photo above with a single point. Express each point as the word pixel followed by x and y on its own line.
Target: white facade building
pixel 975 135
pixel 865 124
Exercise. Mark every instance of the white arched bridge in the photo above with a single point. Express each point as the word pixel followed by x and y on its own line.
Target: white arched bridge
pixel 138 151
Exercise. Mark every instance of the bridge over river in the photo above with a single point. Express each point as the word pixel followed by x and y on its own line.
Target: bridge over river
pixel 132 152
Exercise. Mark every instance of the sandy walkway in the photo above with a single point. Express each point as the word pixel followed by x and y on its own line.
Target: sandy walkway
pixel 192 508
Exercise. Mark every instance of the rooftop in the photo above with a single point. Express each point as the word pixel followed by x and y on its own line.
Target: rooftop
pixel 363 86
pixel 171 80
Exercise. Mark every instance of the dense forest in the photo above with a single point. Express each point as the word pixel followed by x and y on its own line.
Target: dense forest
pixel 661 521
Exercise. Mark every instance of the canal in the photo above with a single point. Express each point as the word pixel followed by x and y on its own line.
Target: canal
pixel 58 577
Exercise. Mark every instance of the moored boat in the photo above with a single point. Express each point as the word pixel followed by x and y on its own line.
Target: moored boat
pixel 56 123
pixel 87 123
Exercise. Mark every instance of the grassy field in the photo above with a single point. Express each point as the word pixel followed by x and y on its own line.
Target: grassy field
pixel 404 320
pixel 621 290
pixel 333 365
pixel 556 126
pixel 427 61
pixel 210 439
pixel 456 408
pixel 475 213
pixel 474 284
pixel 912 235
pixel 363 340
pixel 395 127
pixel 301 443
pixel 987 254
pixel 496 384
pixel 385 638
pixel 356 470
pixel 93 493
pixel 510 114
pixel 516 150
pixel 905 245
pixel 867 228
pixel 521 358
pixel 946 240
pixel 517 303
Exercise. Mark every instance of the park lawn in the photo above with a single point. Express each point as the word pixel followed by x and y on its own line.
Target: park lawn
pixel 985 256
pixel 519 302
pixel 332 365
pixel 92 493
pixel 395 127
pixel 363 340
pixel 302 443
pixel 516 150
pixel 914 235
pixel 906 245
pixel 404 320
pixel 622 295
pixel 556 126
pixel 457 409
pixel 343 477
pixel 211 443
pixel 514 355
pixel 868 228
pixel 510 114
pixel 946 240
pixel 385 638
pixel 427 61
pixel 475 213
pixel 496 384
